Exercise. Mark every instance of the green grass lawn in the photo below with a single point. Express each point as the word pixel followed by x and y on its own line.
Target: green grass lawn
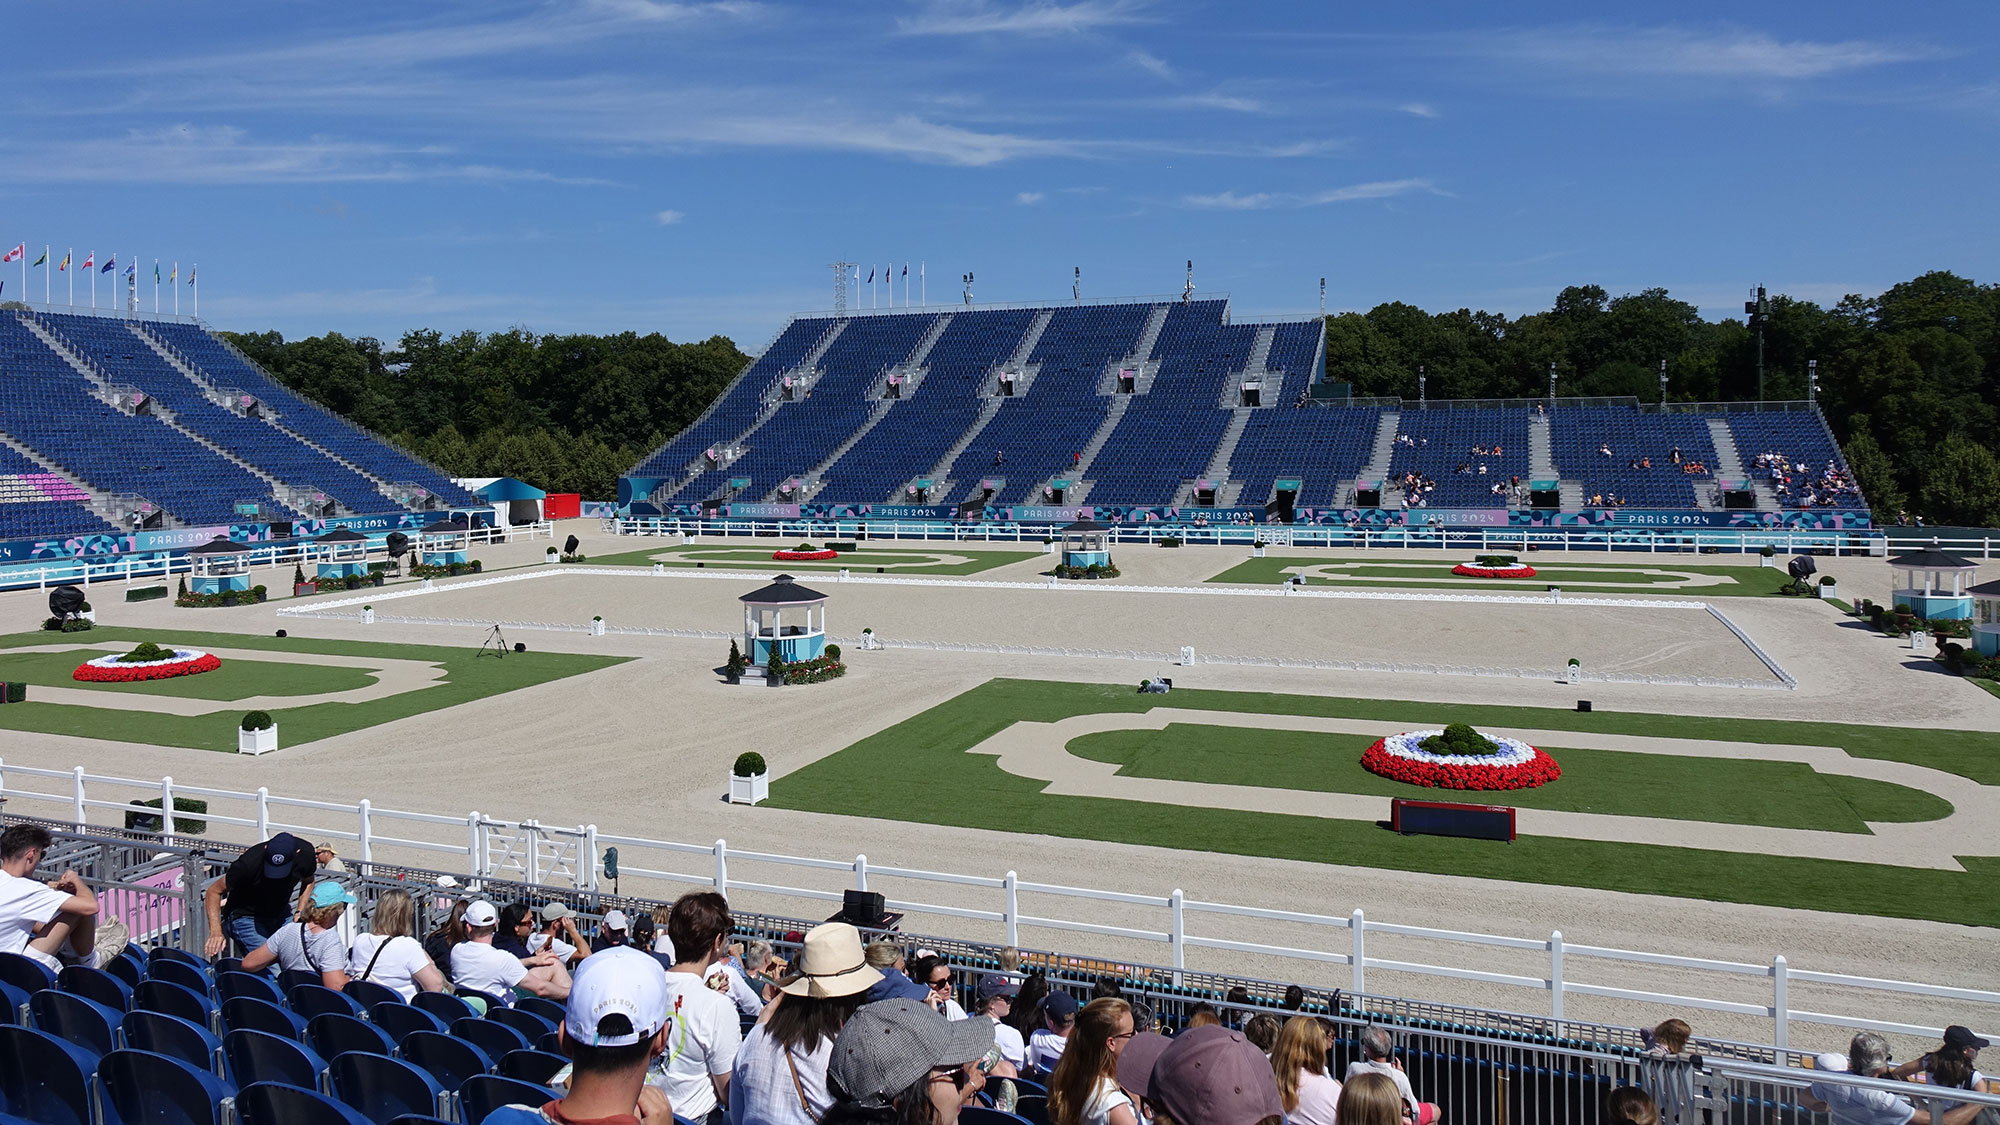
pixel 468 677
pixel 1721 790
pixel 236 679
pixel 933 746
pixel 1743 581
pixel 907 560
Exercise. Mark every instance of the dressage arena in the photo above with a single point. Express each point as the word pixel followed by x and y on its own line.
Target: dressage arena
pixel 1757 775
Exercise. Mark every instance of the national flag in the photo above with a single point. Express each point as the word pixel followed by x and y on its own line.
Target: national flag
pixel 871 275
pixel 90 259
pixel 44 259
pixel 16 254
pixel 174 274
pixel 108 264
pixel 191 270
pixel 156 271
pixel 65 261
pixel 132 269
pixel 906 271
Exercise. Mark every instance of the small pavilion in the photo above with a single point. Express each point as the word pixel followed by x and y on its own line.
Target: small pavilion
pixel 220 565
pixel 787 615
pixel 342 552
pixel 1934 583
pixel 1086 543
pixel 1986 617
pixel 444 542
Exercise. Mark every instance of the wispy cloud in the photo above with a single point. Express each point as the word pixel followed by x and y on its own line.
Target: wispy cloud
pixel 1418 109
pixel 1683 52
pixel 1037 17
pixel 670 217
pixel 1267 200
pixel 1295 149
pixel 1151 63
pixel 1231 103
pixel 1028 198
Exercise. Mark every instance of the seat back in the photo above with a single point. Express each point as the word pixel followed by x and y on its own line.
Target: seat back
pixel 161 953
pixel 257 1057
pixel 165 996
pixel 486 1000
pixel 485 1093
pixel 400 1019
pixel 530 1066
pixel 383 1088
pixel 127 969
pixel 158 1090
pixel 311 1000
pixel 1034 1107
pixel 530 1025
pixel 368 993
pixel 447 1058
pixel 247 1012
pixel 274 1103
pixel 13 1005
pixel 191 977
pixel 229 985
pixel 443 1005
pixel 75 1019
pixel 43 1078
pixel 175 1038
pixel 495 1039
pixel 544 1007
pixel 95 984
pixel 333 1035
pixel 292 978
pixel 25 973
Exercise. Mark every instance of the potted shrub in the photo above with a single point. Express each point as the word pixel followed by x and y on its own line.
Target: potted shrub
pixel 138 821
pixel 749 781
pixel 597 626
pixel 1170 540
pixel 736 665
pixel 833 652
pixel 1768 556
pixel 1048 546
pixel 368 615
pixel 868 638
pixel 257 734
pixel 1904 617
pixel 1573 672
pixel 551 555
pixel 774 667
pixel 1827 587
pixel 260 591
pixel 87 613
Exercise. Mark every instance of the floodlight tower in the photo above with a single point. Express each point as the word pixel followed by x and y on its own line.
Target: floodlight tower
pixel 1663 382
pixel 968 287
pixel 1758 312
pixel 1423 394
pixel 1552 384
pixel 840 286
pixel 1812 382
pixel 1187 292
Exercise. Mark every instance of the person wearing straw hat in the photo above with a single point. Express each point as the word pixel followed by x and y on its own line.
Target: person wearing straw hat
pixel 780 1073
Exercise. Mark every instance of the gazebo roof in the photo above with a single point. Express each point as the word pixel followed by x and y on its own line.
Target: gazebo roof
pixel 1932 559
pixel 443 527
pixel 784 591
pixel 342 535
pixel 1088 525
pixel 1985 589
pixel 221 547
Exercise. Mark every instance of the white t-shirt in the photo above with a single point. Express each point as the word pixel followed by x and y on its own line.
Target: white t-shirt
pixel 401 959
pixel 1045 1047
pixel 740 993
pixel 1009 1041
pixel 25 906
pixel 564 950
pixel 1396 1075
pixel 296 947
pixel 1104 1098
pixel 1852 1105
pixel 477 965
pixel 760 1085
pixel 703 1036
pixel 1319 1096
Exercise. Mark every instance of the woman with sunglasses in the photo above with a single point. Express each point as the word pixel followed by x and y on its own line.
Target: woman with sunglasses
pixel 898 1062
pixel 935 975
pixel 1084 1089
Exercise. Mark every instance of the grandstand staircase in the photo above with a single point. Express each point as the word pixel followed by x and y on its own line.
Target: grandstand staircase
pixel 1217 471
pixel 1024 372
pixel 158 413
pixel 773 402
pixel 814 479
pixel 101 504
pixel 1139 362
pixel 940 486
pixel 1384 452
pixel 1078 475
pixel 1729 466
pixel 1542 463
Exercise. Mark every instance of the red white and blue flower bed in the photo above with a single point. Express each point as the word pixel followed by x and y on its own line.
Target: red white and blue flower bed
pixel 117 670
pixel 1517 765
pixel 804 556
pixel 1474 570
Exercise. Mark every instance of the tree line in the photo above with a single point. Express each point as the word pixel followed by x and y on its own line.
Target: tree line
pixel 1908 379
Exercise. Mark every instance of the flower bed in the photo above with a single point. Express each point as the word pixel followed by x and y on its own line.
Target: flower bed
pixel 804 556
pixel 1473 570
pixel 815 671
pixel 1517 765
pixel 118 670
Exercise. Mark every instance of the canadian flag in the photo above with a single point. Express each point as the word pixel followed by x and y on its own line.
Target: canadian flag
pixel 16 253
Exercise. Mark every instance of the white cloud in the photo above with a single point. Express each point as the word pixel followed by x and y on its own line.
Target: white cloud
pixel 1028 198
pixel 1154 64
pixel 1229 102
pixel 1418 109
pixel 1037 17
pixel 1267 200
pixel 669 218
pixel 1302 148
pixel 1675 51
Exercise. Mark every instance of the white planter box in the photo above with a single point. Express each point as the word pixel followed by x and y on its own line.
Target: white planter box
pixel 597 627
pixel 1257 552
pixel 552 556
pixel 257 741
pixel 659 568
pixel 1048 548
pixel 367 616
pixel 1767 561
pixel 1829 589
pixel 88 615
pixel 749 790
pixel 1573 674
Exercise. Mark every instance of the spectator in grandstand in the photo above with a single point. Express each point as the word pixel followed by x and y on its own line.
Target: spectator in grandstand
pixel 1046 1043
pixel 1951 1066
pixel 439 942
pixel 1027 1014
pixel 311 944
pixel 705 1033
pixel 727 976
pixel 995 1003
pixel 779 1077
pixel 1668 1076
pixel 613 930
pixel 267 886
pixel 1204 1015
pixel 1213 1076
pixel 935 976
pixel 556 931
pixel 1669 1037
pixel 1084 1088
pixel 517 925
pixel 389 954
pixel 663 942
pixel 615 1026
pixel 1370 1099
pixel 900 1063
pixel 1378 1056
pixel 1295 998
pixel 1868 1056
pixel 1262 1029
pixel 1010 960
pixel 1298 1063
pixel 887 959
pixel 1629 1105
pixel 54 923
pixel 1135 1068
pixel 477 964
pixel 327 858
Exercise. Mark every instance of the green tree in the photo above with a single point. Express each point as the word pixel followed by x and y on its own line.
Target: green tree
pixel 1962 484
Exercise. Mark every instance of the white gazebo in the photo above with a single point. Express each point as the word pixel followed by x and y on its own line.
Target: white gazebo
pixel 787 615
pixel 1934 583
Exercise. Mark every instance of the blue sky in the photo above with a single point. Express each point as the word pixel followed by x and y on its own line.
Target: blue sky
pixel 691 168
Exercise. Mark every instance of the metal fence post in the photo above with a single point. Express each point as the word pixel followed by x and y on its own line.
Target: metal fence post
pixel 721 867
pixel 1781 1004
pixel 475 855
pixel 1556 979
pixel 590 856
pixel 76 797
pixel 531 831
pixel 194 934
pixel 167 811
pixel 1357 923
pixel 263 813
pixel 1177 902
pixel 861 872
pixel 367 835
pixel 1011 885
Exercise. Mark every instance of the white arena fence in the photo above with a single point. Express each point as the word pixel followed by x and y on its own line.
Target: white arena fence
pixel 484 847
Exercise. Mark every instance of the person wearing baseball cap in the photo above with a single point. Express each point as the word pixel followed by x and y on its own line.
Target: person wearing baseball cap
pixel 267 886
pixel 476 965
pixel 558 933
pixel 900 1060
pixel 1213 1076
pixel 614 1026
pixel 312 944
pixel 779 1077
pixel 614 929
pixel 1950 1066
pixel 1046 1043
pixel 995 1001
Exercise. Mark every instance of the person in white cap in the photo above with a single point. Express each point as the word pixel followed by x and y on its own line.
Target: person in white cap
pixel 615 1026
pixel 559 933
pixel 780 1074
pixel 613 930
pixel 475 964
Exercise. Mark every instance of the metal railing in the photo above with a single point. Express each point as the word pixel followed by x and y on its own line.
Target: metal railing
pixel 1550 966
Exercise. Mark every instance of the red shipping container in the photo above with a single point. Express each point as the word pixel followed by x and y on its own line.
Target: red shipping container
pixel 562 506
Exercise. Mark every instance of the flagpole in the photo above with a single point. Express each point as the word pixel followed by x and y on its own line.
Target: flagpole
pixel 194 284
pixel 90 263
pixel 923 287
pixel 67 255
pixel 174 283
pixel 48 298
pixel 156 287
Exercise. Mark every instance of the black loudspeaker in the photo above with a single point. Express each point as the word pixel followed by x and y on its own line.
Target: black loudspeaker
pixel 396 543
pixel 1368 498
pixel 570 545
pixel 520 646
pixel 65 600
pixel 862 908
pixel 1545 498
pixel 1583 704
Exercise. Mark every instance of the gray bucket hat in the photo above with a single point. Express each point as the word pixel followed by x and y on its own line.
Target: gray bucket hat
pixel 888 1045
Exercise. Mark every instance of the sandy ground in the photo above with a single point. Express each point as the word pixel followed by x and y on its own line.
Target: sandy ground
pixel 644 749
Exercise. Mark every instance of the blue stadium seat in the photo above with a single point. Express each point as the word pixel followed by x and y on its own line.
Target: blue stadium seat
pixel 443 1005
pixel 169 953
pixel 75 1019
pixel 163 1034
pixel 447 1058
pixel 128 969
pixel 368 993
pixel 190 977
pixel 531 1025
pixel 274 1103
pixel 544 1007
pixel 13 1004
pixel 1034 1107
pixel 229 985
pixel 95 984
pixel 491 1036
pixel 256 1057
pixel 383 1088
pixel 332 1034
pixel 311 1000
pixel 981 1115
pixel 43 1078
pixel 25 973
pixel 485 1000
pixel 400 1019
pixel 252 1014
pixel 289 979
pixel 165 996
pixel 141 1086
pixel 485 1093
pixel 530 1065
